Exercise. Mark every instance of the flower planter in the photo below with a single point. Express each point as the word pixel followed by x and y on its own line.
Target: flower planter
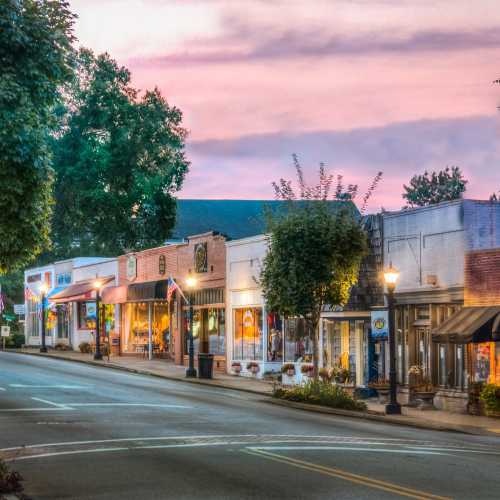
pixel 290 373
pixel 236 369
pixel 424 400
pixel 383 394
pixel 254 370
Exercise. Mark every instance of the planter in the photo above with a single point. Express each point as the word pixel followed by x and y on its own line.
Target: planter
pixel 493 413
pixel 383 395
pixel 424 400
pixel 254 370
pixel 290 372
pixel 236 369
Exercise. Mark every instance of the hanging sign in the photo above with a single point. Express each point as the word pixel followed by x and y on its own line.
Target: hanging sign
pixel 380 324
pixel 131 267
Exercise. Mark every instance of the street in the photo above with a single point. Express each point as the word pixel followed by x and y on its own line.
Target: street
pixel 77 431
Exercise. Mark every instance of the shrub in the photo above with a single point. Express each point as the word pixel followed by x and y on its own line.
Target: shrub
pixel 287 366
pixel 62 347
pixel 320 393
pixel 85 347
pixel 326 375
pixel 10 481
pixel 15 341
pixel 490 395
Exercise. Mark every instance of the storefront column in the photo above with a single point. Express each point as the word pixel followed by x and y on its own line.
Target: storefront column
pixel 150 333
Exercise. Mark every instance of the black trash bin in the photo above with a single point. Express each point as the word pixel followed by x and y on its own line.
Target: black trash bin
pixel 205 365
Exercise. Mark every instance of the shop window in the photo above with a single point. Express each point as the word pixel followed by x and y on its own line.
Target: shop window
pixel 275 337
pixel 298 341
pixel 216 331
pixel 442 371
pixel 86 315
pixel 248 326
pixel 209 330
pixel 33 316
pixel 459 375
pixel 136 325
pixel 480 358
pixel 63 320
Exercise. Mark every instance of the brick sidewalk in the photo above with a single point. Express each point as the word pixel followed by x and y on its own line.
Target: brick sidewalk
pixel 434 419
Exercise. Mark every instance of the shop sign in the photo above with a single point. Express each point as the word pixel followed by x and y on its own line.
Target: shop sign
pixel 162 265
pixel 19 309
pixel 131 267
pixel 34 278
pixel 380 324
pixel 200 258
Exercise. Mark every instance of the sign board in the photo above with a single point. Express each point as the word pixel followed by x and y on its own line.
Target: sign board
pixel 5 331
pixel 132 267
pixel 9 317
pixel 19 309
pixel 380 324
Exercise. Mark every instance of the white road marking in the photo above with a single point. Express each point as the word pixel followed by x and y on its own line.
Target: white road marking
pixel 34 409
pixel 51 403
pixel 146 405
pixel 346 448
pixel 2 389
pixel 58 386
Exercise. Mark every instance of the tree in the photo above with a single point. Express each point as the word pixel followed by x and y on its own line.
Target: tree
pixel 314 252
pixel 429 189
pixel 35 59
pixel 118 161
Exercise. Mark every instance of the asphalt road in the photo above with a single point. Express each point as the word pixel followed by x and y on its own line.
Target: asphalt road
pixel 76 431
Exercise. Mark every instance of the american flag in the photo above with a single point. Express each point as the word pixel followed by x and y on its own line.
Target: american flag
pixel 2 305
pixel 172 286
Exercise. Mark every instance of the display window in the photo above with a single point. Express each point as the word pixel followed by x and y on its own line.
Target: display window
pixel 209 331
pixel 274 337
pixel 248 326
pixel 86 315
pixel 298 341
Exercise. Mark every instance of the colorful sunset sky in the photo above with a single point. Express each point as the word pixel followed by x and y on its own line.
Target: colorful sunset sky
pixel 362 85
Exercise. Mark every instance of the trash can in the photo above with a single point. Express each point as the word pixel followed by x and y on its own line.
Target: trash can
pixel 205 365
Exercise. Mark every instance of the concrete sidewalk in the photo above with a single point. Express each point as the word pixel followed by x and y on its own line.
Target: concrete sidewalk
pixel 431 419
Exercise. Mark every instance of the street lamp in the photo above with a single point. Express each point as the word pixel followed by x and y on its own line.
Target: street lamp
pixel 191 283
pixel 391 276
pixel 97 287
pixel 43 294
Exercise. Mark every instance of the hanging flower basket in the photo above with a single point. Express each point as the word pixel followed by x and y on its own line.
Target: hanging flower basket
pixel 253 367
pixel 236 367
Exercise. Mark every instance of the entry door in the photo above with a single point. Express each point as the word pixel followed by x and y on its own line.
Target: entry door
pixel 424 350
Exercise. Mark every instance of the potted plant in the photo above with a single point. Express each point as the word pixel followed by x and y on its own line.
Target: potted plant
pixel 423 390
pixel 288 369
pixel 490 396
pixel 236 367
pixel 382 386
pixel 253 367
pixel 307 370
pixel 326 375
pixel 340 375
pixel 475 405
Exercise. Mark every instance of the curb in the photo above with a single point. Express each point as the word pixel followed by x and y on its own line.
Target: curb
pixel 113 366
pixel 382 418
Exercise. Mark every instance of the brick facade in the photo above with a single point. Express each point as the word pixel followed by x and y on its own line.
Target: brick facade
pixel 482 278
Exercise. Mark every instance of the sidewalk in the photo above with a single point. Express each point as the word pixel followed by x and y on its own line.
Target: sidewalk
pixel 431 419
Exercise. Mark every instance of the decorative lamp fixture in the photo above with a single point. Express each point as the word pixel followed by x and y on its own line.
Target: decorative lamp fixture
pixel 391 276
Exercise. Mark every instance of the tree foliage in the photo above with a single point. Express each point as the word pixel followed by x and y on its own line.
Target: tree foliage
pixel 118 160
pixel 35 59
pixel 314 252
pixel 431 188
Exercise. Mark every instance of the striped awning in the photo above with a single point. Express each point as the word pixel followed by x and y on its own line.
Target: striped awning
pixel 469 324
pixel 84 290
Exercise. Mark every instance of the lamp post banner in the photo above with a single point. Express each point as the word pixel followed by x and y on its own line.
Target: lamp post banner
pixel 380 324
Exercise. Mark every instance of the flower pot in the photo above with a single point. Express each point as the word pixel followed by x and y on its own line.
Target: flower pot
pixel 236 369
pixel 424 400
pixel 383 395
pixel 254 370
pixel 290 372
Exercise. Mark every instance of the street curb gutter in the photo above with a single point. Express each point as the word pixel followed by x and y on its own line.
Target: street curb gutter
pixel 382 418
pixel 113 366
pixel 372 416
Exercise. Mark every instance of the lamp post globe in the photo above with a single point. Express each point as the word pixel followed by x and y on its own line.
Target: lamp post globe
pixel 97 287
pixel 43 296
pixel 391 276
pixel 191 284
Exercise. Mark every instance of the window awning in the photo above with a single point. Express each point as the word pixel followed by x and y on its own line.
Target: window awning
pixel 79 291
pixel 150 290
pixel 114 295
pixel 470 324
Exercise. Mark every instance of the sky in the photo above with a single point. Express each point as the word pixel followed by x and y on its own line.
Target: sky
pixel 398 86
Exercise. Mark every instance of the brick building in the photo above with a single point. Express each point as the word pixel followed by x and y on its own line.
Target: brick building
pixel 150 325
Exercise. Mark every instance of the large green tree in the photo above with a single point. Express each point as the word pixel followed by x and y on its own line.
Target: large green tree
pixel 35 59
pixel 119 161
pixel 315 250
pixel 435 187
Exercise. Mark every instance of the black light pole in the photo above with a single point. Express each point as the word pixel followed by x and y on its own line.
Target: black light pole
pixel 98 354
pixel 391 276
pixel 43 290
pixel 191 370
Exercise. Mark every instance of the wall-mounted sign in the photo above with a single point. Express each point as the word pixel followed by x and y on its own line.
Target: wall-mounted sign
pixel 162 264
pixel 200 258
pixel 34 278
pixel 131 267
pixel 19 309
pixel 380 324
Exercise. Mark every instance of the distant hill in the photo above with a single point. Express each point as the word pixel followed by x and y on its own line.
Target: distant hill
pixel 234 218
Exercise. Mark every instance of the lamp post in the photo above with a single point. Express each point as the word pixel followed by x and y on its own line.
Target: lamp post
pixel 191 371
pixel 97 287
pixel 391 276
pixel 43 294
